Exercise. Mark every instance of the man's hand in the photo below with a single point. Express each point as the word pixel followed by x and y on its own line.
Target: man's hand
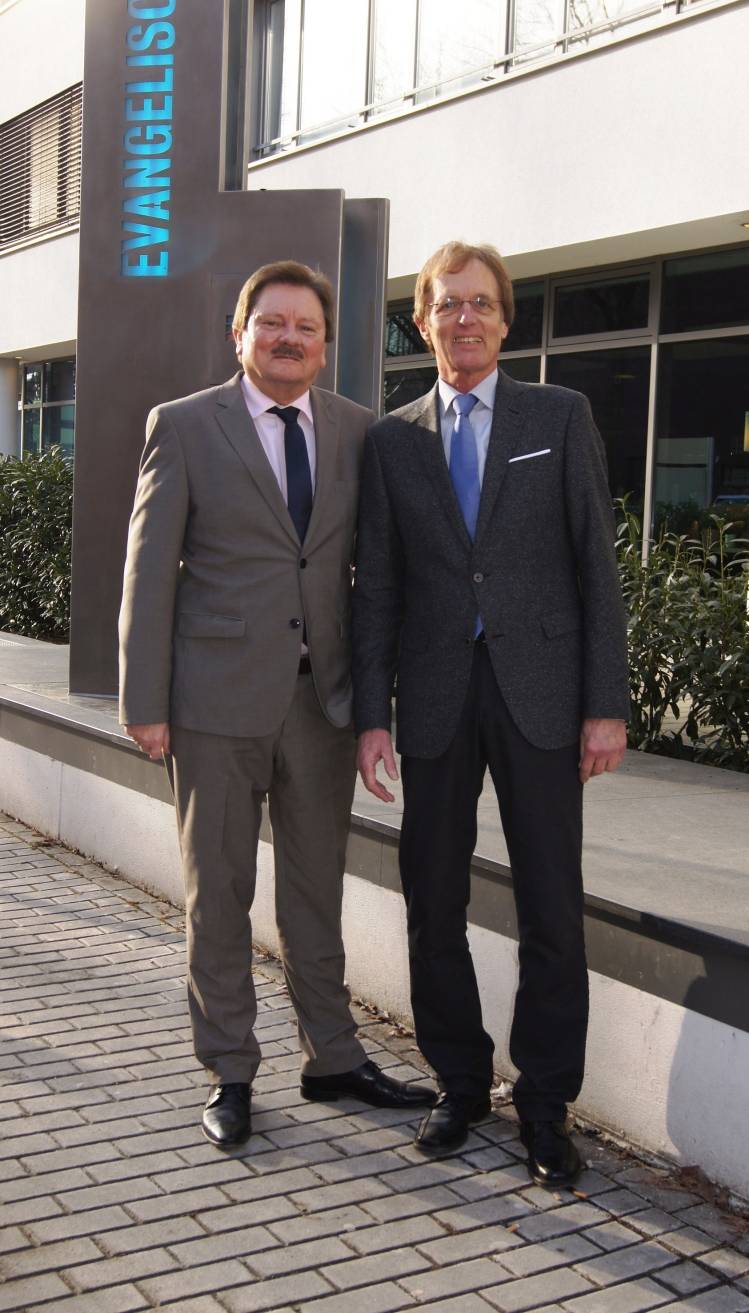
pixel 602 744
pixel 376 745
pixel 151 739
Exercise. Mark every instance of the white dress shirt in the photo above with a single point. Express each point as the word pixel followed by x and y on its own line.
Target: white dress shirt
pixel 480 417
pixel 271 430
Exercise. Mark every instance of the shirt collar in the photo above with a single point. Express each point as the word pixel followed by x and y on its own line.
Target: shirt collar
pixel 258 403
pixel 484 390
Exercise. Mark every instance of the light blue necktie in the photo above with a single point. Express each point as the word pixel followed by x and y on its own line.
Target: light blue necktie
pixel 464 461
pixel 464 468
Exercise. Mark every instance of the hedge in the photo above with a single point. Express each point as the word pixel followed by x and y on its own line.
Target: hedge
pixel 688 650
pixel 36 504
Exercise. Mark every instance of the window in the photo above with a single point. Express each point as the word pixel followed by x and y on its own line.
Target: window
pixel 706 291
pixel 601 306
pixel 404 385
pixel 327 65
pixel 40 167
pixel 402 337
pixel 322 66
pixel 48 406
pixel 527 326
pixel 702 430
pixel 616 384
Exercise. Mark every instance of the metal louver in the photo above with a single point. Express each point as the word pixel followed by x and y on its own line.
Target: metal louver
pixel 40 167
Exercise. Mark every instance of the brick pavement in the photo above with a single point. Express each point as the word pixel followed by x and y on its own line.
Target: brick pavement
pixel 111 1200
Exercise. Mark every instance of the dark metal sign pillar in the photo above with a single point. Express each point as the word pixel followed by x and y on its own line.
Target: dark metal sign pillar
pixel 163 254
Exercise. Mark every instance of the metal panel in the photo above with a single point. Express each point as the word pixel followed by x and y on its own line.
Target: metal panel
pixel 162 254
pixel 361 314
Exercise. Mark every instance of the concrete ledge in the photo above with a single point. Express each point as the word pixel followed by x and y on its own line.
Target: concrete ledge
pixel 668 1062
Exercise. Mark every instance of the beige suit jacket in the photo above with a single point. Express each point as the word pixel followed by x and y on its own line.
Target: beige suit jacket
pixel 218 587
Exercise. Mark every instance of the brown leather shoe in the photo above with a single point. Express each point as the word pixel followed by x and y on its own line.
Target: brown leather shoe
pixel 553 1160
pixel 368 1084
pixel 226 1116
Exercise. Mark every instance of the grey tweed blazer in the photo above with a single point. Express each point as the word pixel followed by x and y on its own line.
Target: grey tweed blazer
pixel 541 573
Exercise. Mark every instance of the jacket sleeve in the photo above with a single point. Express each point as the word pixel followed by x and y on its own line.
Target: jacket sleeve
pixel 591 520
pixel 377 604
pixel 154 550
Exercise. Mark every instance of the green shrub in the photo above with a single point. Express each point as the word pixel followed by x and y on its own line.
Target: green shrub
pixel 36 501
pixel 688 650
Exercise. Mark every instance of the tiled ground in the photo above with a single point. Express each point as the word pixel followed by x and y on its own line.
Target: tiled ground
pixel 112 1200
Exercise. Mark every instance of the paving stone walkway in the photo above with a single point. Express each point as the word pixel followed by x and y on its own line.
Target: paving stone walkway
pixel 111 1200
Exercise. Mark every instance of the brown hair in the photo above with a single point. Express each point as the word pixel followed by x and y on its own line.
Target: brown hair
pixel 290 272
pixel 451 258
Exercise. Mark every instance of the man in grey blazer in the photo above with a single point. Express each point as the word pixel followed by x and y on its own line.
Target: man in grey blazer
pixel 235 667
pixel 486 584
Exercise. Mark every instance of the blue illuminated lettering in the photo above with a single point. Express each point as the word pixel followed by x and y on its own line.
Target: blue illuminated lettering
pixel 166 84
pixel 137 10
pixel 143 266
pixel 148 140
pixel 147 162
pixel 148 112
pixel 144 173
pixel 160 35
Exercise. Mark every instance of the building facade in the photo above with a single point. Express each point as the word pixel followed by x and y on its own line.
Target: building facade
pixel 600 144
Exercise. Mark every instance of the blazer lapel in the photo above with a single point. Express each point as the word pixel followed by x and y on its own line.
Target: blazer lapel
pixel 507 423
pixel 234 420
pixel 425 417
pixel 327 437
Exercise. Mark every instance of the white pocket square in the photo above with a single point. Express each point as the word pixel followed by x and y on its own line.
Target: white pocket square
pixel 545 451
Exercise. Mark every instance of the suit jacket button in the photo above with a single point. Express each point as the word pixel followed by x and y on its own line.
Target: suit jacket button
pixel 303 563
pixel 478 578
pixel 294 624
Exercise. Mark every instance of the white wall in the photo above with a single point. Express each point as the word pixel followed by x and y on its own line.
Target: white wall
pixel 637 136
pixel 653 1066
pixel 42 51
pixel 39 296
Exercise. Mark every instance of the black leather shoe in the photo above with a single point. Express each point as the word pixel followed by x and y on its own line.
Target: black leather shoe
pixel 370 1085
pixel 226 1116
pixel 553 1160
pixel 446 1127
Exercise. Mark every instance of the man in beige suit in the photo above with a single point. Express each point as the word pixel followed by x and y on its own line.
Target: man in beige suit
pixel 235 667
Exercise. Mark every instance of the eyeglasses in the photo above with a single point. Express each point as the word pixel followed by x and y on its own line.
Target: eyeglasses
pixel 452 305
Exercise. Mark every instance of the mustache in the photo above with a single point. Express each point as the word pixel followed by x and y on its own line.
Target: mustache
pixel 292 352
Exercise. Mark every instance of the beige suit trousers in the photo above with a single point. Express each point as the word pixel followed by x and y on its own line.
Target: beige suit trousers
pixel 306 769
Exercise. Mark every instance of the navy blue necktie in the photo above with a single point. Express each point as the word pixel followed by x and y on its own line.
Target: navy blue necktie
pixel 464 461
pixel 298 476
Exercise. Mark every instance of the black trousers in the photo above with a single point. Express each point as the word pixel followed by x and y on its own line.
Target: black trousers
pixel 540 804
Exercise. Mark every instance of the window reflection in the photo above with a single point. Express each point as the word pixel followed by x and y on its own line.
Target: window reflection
pixel 526 369
pixel 616 384
pixel 538 25
pixel 702 446
pixel 612 305
pixel 335 62
pixel 283 67
pixel 404 385
pixel 395 42
pixel 47 405
pixel 527 326
pixel 705 291
pixel 454 39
